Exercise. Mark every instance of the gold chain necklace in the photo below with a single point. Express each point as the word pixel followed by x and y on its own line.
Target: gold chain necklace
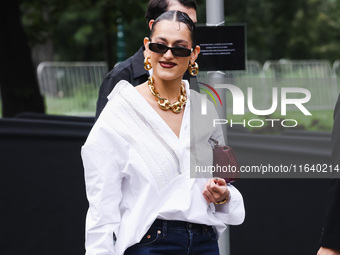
pixel 164 103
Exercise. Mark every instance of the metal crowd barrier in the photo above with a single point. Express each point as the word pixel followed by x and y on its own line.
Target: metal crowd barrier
pixel 315 75
pixel 71 88
pixel 298 69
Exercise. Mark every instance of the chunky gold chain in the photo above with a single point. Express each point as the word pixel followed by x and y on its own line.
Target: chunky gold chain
pixel 164 103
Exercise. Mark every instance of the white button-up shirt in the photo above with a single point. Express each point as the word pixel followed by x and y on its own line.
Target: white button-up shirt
pixel 137 170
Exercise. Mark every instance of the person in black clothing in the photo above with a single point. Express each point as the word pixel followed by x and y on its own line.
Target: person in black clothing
pixel 132 69
pixel 330 240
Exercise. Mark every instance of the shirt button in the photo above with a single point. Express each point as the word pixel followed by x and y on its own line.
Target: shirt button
pixel 190 226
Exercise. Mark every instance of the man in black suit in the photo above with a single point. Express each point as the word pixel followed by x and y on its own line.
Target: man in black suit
pixel 330 240
pixel 132 69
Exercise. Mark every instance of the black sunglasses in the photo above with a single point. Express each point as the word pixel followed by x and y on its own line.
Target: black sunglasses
pixel 176 51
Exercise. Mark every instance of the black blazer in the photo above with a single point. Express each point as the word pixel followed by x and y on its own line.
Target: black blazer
pixel 331 231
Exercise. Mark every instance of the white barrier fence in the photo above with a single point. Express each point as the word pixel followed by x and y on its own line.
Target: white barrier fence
pixel 72 87
pixel 315 75
pixel 298 69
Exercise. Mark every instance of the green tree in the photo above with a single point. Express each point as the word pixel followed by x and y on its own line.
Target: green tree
pixel 85 30
pixel 295 29
pixel 82 30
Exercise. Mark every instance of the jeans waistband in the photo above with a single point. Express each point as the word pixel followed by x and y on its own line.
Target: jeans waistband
pixel 176 224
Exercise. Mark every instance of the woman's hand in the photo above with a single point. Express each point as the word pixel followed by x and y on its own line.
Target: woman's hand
pixel 215 190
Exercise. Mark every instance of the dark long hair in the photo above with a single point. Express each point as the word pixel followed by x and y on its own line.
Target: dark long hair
pixel 157 7
pixel 179 17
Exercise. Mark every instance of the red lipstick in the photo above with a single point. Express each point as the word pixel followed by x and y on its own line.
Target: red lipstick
pixel 166 64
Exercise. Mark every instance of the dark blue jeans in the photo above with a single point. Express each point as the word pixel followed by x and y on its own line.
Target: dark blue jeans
pixel 176 238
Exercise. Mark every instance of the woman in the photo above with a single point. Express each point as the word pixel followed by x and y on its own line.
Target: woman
pixel 138 155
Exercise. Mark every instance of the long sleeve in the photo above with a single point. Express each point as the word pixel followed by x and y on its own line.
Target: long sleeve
pixel 103 188
pixel 232 213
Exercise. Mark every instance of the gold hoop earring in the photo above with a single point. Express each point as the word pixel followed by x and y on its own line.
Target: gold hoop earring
pixel 147 64
pixel 193 69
